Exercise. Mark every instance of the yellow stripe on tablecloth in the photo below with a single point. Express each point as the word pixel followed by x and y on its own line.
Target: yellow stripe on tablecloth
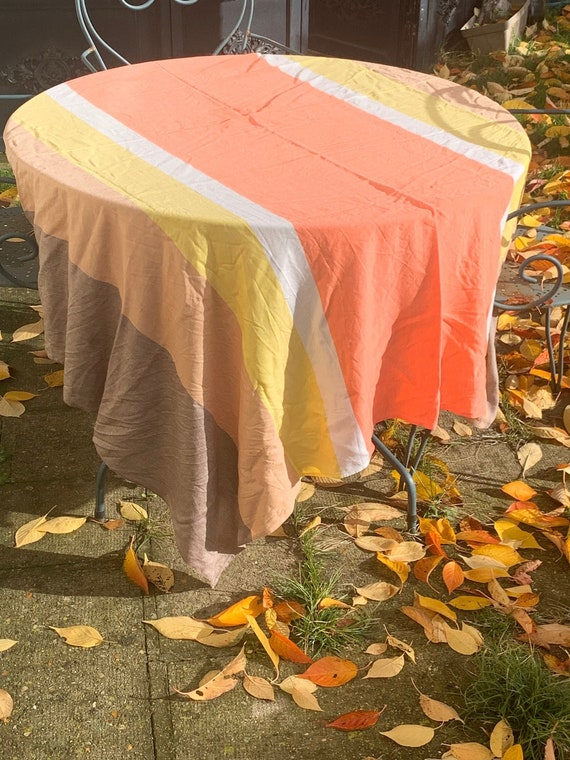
pixel 274 355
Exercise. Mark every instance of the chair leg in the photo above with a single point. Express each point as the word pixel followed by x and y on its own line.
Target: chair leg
pixel 406 474
pixel 100 492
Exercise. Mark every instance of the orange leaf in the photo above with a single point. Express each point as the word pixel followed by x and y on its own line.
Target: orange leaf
pixel 424 567
pixel 519 490
pixel 288 611
pixel 452 575
pixel 328 601
pixel 433 543
pixel 237 613
pixel 268 598
pixel 477 537
pixel 287 649
pixel 330 671
pixel 441 526
pixel 133 570
pixel 356 720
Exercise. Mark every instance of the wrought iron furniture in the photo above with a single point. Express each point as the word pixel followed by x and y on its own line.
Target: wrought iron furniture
pixel 241 38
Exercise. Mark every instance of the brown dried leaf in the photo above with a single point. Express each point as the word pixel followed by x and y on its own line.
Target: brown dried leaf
pixel 220 683
pixel 181 628
pixel 6 644
pixel 436 710
pixel 405 551
pixel 54 379
pixel 462 429
pixel 356 720
pixel 386 667
pixel 402 646
pixel 529 455
pixel 131 511
pixel 158 574
pixel 27 332
pixel 62 524
pixel 258 687
pixel 378 592
pixel 6 705
pixel 409 735
pixel 84 636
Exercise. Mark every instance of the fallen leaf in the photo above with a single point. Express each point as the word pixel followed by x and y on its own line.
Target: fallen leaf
pixel 405 551
pixel 549 753
pixel 401 569
pixel 356 720
pixel 181 628
pixel 402 646
pixel 441 526
pixel 510 534
pixel 375 543
pixel 424 568
pixel 220 683
pixel 438 711
pixel 463 641
pixel 561 667
pixel 131 511
pixel 330 602
pixel 518 490
pixel 11 408
pixel 549 633
pixel 330 671
pixel 236 614
pixel 506 555
pixel 27 332
pixel 514 753
pixel 552 433
pixel 223 639
pixel 19 395
pixel 452 575
pixel 409 735
pixel 378 592
pixel 377 649
pixel 485 574
pixel 158 574
pixel 314 523
pixel 501 738
pixel 302 692
pixel 386 667
pixel 111 524
pixel 79 635
pixel 264 641
pixel 474 537
pixel 54 379
pixel 6 705
pixel 287 649
pixel 461 428
pixel 6 644
pixel 29 533
pixel 529 455
pixel 471 751
pixel 4 370
pixel 133 570
pixel 435 605
pixel 470 602
pixel 62 524
pixel 258 687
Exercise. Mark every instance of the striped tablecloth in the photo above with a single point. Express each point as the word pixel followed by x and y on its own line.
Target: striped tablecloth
pixel 247 261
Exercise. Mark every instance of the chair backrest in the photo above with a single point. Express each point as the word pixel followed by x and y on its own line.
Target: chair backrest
pixel 239 40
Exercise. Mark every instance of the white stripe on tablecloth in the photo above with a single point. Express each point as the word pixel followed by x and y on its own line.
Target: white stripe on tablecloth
pixel 291 67
pixel 284 250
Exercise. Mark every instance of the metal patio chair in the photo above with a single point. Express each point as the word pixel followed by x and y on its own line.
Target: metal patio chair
pixel 240 39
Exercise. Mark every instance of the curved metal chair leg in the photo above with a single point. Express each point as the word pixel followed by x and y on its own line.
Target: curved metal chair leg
pixel 100 492
pixel 405 473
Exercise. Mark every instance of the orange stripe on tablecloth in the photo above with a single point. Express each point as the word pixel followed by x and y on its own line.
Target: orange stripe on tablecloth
pixel 420 229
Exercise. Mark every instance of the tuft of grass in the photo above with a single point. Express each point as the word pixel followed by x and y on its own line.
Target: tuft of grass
pixel 331 630
pixel 512 684
pixel 151 530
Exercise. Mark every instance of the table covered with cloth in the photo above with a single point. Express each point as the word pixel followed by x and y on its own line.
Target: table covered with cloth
pixel 248 261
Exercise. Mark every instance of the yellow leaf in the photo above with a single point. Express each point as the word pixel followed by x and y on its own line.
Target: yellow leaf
pixel 435 605
pixel 405 551
pixel 330 602
pixel 470 602
pixel 316 521
pixel 511 534
pixel 442 527
pixel 6 705
pixel 401 569
pixel 237 613
pixel 19 396
pixel 485 574
pixel 133 570
pixel 470 751
pixel 29 532
pixel 6 644
pixel 514 753
pixel 4 370
pixel 386 667
pixel 62 524
pixel 409 735
pixel 558 131
pixel 27 332
pixel 264 641
pixel 131 511
pixel 462 429
pixel 501 738
pixel 54 379
pixel 306 491
pixel 506 555
pixel 79 635
pixel 181 628
pixel 516 103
